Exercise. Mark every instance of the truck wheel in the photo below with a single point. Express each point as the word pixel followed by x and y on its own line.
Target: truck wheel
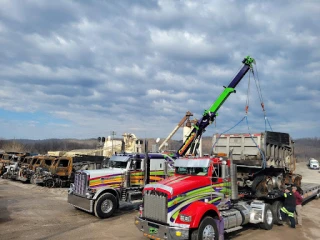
pixel 50 183
pixel 207 230
pixel 256 181
pixel 105 206
pixel 276 206
pixel 267 218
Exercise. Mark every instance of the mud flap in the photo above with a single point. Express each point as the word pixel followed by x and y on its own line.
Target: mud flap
pixel 220 225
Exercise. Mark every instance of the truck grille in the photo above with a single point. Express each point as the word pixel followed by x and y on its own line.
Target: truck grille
pixel 155 206
pixel 80 183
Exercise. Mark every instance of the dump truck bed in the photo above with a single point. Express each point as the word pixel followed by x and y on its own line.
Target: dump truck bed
pixel 277 149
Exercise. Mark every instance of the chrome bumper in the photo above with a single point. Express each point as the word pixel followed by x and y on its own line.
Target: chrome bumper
pixel 155 230
pixel 81 202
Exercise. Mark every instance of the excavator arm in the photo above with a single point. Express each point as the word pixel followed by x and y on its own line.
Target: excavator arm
pixel 209 115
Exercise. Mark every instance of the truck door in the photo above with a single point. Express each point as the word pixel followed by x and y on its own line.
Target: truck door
pixel 135 172
pixel 62 167
pixel 158 170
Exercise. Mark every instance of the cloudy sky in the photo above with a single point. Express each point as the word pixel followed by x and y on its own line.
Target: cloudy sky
pixel 80 69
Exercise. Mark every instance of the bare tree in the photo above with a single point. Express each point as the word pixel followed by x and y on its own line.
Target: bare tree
pixel 13 146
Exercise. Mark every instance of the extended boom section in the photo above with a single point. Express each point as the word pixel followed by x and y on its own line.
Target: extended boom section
pixel 210 114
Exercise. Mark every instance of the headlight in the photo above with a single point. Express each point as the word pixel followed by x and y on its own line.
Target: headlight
pixel 92 190
pixel 185 218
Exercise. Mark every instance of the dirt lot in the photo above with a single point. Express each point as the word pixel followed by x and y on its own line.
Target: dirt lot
pixel 33 212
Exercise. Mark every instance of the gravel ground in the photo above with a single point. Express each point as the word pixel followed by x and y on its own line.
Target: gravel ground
pixel 33 212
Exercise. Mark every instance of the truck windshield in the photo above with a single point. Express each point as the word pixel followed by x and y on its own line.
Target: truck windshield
pixel 198 171
pixel 116 164
pixel 314 161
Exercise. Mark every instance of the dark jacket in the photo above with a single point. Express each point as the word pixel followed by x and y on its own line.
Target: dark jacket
pixel 289 201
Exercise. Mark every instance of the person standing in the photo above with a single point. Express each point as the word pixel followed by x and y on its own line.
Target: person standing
pixel 289 207
pixel 298 211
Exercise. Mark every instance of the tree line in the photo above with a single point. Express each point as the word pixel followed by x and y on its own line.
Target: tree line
pixel 305 148
pixel 43 146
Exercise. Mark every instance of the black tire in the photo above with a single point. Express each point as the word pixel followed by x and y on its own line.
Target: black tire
pixel 105 206
pixel 256 181
pixel 206 226
pixel 276 206
pixel 268 218
pixel 50 183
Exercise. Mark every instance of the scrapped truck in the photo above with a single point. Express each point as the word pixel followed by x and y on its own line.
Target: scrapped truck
pixel 41 170
pixel 9 158
pixel 203 199
pixel 25 169
pixel 265 161
pixel 61 172
pixel 100 191
pixel 18 169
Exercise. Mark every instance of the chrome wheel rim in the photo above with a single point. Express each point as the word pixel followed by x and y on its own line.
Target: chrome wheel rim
pixel 106 206
pixel 208 233
pixel 269 217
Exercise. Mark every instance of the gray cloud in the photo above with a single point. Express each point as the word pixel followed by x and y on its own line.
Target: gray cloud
pixel 97 66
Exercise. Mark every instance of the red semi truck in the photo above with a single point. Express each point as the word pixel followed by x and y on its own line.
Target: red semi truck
pixel 209 196
pixel 201 201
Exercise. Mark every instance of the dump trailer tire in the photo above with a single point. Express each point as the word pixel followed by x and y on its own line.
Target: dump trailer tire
pixel 276 206
pixel 256 181
pixel 207 230
pixel 105 206
pixel 268 218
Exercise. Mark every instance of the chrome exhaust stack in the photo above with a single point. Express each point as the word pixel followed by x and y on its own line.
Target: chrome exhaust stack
pixel 233 176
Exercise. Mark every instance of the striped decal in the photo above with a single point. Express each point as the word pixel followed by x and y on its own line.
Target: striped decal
pixel 117 180
pixel 214 193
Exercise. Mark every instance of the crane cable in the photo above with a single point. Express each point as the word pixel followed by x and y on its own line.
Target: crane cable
pixel 257 82
pixel 247 122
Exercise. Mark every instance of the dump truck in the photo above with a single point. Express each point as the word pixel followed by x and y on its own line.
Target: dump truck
pixel 265 161
pixel 100 191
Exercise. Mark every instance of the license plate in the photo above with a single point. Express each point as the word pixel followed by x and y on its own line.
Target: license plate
pixel 153 230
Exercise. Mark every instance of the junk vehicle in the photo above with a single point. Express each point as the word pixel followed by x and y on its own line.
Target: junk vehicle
pixel 100 191
pixel 7 159
pixel 202 200
pixel 61 173
pixel 265 161
pixel 12 170
pixel 313 163
pixel 25 170
pixel 41 169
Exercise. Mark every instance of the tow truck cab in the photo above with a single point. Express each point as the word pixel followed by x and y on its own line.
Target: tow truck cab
pixel 100 191
pixel 201 200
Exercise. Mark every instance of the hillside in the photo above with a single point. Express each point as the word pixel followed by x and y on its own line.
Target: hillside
pixel 307 148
